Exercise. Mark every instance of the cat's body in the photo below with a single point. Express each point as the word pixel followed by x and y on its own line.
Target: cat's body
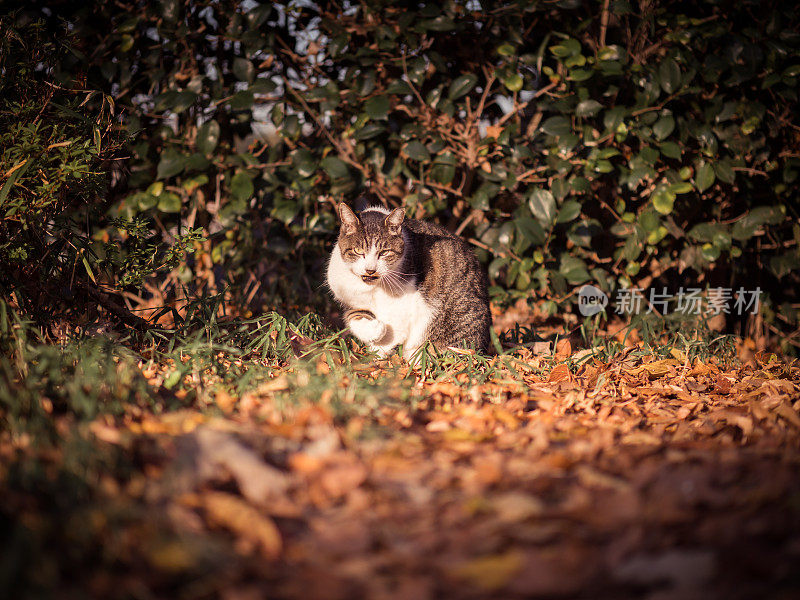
pixel 405 282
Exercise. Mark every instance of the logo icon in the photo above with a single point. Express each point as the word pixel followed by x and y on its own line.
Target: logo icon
pixel 591 300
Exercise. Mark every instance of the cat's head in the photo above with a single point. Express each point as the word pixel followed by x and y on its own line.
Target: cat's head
pixel 371 243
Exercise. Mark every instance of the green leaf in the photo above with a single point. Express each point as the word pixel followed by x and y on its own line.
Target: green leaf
pixel 291 126
pixel 243 69
pixel 663 127
pixel 365 83
pixel 155 189
pixel 722 239
pixel 649 221
pixel 88 268
pixel 263 85
pixel 559 188
pixel 377 107
pixel 183 100
pixel 704 178
pixel 207 137
pixel 772 215
pixel 416 150
pixel 568 47
pixel 337 44
pixel 746 227
pixel 171 380
pixel 603 166
pixel 145 201
pixel 724 171
pixel 165 100
pixel 506 50
pixel 399 87
pixel 632 249
pixel 580 74
pixel 242 186
pixel 588 108
pixel 542 206
pixel 443 174
pixel 169 203
pixel 196 162
pixel 669 74
pixel 791 71
pixel 671 150
pixel 663 199
pixel 13 179
pixel 710 252
pixel 285 210
pixel 303 161
pixel 569 211
pixel 369 131
pixel 513 82
pixel 193 183
pixel 683 187
pixel 530 230
pixel 784 264
pixel 242 100
pixel 440 23
pixel 614 117
pixel 171 164
pixel 557 126
pixel 335 167
pixel 705 232
pixel 444 168
pixel 461 85
pixel 574 270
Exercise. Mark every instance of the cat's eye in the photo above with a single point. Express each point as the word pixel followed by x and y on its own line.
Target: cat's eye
pixel 355 253
pixel 385 253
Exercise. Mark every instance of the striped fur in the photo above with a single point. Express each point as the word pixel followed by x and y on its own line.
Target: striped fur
pixel 405 281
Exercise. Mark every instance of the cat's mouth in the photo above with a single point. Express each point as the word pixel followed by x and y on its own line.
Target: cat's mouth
pixel 370 278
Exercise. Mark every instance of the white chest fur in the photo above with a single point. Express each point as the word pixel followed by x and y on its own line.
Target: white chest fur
pixel 404 312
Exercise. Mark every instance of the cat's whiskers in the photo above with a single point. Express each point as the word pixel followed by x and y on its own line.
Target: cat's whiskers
pixel 398 281
pixel 405 277
pixel 392 283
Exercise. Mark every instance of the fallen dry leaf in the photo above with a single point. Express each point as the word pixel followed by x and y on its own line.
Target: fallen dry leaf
pixel 229 511
pixel 490 572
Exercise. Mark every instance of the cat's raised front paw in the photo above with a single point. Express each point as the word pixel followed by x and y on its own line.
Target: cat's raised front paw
pixel 367 330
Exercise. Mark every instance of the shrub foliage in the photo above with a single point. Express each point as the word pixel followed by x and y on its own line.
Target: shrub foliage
pixel 621 143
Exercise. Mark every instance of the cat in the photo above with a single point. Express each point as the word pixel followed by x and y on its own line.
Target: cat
pixel 407 282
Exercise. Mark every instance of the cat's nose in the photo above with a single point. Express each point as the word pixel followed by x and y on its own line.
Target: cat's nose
pixel 369 271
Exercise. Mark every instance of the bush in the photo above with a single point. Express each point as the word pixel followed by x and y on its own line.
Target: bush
pixel 60 141
pixel 571 142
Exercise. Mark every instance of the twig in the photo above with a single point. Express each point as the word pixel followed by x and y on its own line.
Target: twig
pixel 339 148
pixel 604 23
pixel 123 314
pixel 465 222
pixel 641 111
pixel 438 186
pixel 410 84
pixel 524 105
pixel 314 116
pixel 481 103
pixel 751 171
pixel 494 251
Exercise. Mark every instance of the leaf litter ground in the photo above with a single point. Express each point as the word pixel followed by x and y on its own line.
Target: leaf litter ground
pixel 516 476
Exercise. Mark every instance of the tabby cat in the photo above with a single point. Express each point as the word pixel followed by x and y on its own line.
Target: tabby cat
pixel 406 282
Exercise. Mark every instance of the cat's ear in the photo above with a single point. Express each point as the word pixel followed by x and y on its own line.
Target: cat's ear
pixel 348 218
pixel 394 221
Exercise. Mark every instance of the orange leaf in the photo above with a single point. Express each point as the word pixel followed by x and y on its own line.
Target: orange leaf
pixel 559 373
pixel 236 515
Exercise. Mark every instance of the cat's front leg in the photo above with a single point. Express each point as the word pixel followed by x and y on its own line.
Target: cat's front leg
pixel 363 324
pixel 412 349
